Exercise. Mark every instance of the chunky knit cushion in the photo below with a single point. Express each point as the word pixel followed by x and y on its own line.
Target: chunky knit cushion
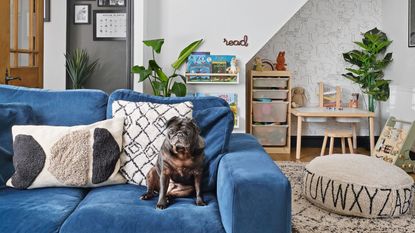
pixel 57 156
pixel 358 185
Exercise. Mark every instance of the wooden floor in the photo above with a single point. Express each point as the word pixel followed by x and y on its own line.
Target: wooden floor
pixel 308 154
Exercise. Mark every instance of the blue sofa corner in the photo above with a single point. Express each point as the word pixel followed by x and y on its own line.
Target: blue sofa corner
pixel 251 194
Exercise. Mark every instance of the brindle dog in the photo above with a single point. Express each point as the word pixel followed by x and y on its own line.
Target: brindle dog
pixel 179 167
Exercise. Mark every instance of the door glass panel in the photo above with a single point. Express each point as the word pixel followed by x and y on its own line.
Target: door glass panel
pixel 23 59
pixel 22 33
pixel 23 24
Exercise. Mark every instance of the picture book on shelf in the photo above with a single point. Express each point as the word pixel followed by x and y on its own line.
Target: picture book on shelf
pixel 230 98
pixel 220 63
pixel 203 62
pixel 199 62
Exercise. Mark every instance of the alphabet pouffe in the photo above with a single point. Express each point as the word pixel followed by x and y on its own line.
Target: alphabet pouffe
pixel 358 185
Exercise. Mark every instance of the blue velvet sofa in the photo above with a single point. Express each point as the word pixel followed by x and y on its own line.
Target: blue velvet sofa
pixel 249 194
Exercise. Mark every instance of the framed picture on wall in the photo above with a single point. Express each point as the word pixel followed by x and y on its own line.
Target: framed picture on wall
pixel 111 3
pixel 411 23
pixel 82 14
pixel 110 25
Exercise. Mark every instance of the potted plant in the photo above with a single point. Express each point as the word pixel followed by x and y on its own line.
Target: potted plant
pixel 79 68
pixel 161 83
pixel 368 64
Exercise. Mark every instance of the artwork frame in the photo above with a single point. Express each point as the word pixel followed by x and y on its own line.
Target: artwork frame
pixel 111 3
pixel 82 13
pixel 46 11
pixel 100 17
pixel 411 23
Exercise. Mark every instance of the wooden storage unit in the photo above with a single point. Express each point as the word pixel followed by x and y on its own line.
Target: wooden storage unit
pixel 269 109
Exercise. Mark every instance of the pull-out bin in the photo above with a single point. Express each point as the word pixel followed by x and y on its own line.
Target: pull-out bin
pixel 270 94
pixel 271 82
pixel 271 135
pixel 275 111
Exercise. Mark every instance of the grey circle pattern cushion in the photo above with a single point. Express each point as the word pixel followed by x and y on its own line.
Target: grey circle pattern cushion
pixel 358 185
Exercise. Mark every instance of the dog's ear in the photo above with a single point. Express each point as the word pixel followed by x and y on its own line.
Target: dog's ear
pixel 172 120
pixel 194 123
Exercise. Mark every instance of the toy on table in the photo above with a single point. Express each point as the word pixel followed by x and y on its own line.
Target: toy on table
pixel 354 102
pixel 298 98
pixel 395 143
pixel 280 65
pixel 330 97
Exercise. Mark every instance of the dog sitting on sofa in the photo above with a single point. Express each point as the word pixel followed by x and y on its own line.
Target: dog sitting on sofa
pixel 179 168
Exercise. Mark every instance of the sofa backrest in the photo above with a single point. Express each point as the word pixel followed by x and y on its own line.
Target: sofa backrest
pixel 60 108
pixel 213 116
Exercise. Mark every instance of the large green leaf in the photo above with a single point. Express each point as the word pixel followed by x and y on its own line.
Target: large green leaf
pixel 152 64
pixel 181 76
pixel 162 75
pixel 185 53
pixel 179 89
pixel 137 69
pixel 155 44
pixel 142 71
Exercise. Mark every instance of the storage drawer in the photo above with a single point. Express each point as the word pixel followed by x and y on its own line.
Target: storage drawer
pixel 270 94
pixel 271 135
pixel 271 82
pixel 275 111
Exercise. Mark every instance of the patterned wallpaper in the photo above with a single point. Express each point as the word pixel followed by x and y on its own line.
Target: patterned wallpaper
pixel 314 40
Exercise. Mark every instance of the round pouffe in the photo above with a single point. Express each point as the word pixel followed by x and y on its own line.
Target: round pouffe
pixel 358 185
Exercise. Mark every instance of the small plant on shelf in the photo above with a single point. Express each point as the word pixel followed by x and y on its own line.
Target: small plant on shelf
pixel 369 64
pixel 162 84
pixel 79 68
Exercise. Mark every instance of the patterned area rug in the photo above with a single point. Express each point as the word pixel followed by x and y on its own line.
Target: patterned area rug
pixel 308 218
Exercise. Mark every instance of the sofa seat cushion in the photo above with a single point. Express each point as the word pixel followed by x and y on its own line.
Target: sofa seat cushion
pixel 119 209
pixel 38 210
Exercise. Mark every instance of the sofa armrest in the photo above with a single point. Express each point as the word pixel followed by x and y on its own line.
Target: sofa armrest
pixel 253 194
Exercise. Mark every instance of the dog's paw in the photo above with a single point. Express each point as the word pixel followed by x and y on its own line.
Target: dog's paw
pixel 200 202
pixel 146 196
pixel 161 206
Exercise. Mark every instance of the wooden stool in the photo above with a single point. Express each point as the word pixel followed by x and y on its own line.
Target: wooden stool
pixel 342 134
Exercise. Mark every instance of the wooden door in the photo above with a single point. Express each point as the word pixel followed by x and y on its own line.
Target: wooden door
pixel 21 42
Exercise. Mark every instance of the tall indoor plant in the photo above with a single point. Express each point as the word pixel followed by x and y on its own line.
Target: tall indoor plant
pixel 79 68
pixel 162 84
pixel 368 64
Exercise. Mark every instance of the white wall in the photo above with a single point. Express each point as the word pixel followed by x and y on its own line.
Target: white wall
pixel 395 24
pixel 314 40
pixel 402 69
pixel 54 74
pixel 181 22
pixel 138 37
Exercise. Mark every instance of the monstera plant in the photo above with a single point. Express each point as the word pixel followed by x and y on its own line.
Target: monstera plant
pixel 368 64
pixel 161 83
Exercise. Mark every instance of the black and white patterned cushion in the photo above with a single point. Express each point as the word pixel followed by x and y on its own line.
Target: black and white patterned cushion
pixel 144 133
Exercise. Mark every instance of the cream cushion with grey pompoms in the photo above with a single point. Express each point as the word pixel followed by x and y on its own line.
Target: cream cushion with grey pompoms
pixel 358 185
pixel 60 156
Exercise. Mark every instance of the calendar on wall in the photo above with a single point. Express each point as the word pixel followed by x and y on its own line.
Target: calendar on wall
pixel 110 25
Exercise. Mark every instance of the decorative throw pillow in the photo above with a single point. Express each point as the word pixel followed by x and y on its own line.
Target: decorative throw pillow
pixel 144 133
pixel 79 156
